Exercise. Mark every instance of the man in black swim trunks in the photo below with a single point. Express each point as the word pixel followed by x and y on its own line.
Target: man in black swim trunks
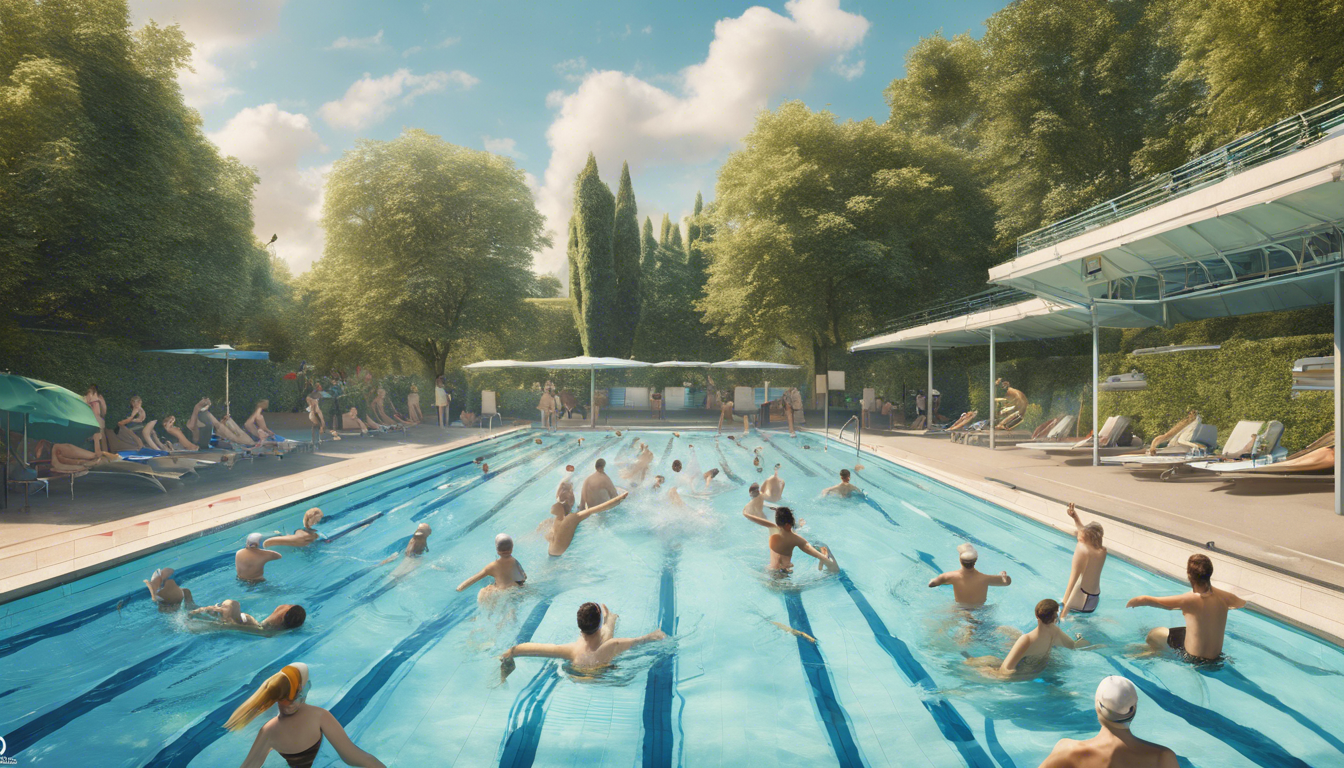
pixel 1205 609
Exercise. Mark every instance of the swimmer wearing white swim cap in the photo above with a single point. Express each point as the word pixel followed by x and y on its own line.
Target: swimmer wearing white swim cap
pixel 1114 746
pixel 969 586
pixel 250 561
pixel 505 570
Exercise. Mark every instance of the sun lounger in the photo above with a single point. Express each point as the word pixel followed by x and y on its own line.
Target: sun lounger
pixel 1317 459
pixel 1192 443
pixel 1116 437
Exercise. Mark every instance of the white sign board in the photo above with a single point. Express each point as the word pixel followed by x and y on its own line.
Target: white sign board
pixel 836 379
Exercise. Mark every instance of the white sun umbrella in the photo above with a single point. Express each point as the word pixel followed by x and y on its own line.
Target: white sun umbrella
pixel 682 364
pixel 584 362
pixel 757 365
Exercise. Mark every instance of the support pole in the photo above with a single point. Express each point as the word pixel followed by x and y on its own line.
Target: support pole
pixel 227 410
pixel 928 390
pixel 1096 376
pixel 993 390
pixel 592 399
pixel 1339 375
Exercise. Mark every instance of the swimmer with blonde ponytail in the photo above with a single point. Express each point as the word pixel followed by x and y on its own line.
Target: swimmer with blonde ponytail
pixel 297 732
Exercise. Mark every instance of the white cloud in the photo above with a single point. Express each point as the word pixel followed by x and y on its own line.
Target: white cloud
pixel 848 71
pixel 502 146
pixel 753 58
pixel 648 30
pixel 356 43
pixel 215 29
pixel 289 198
pixel 448 42
pixel 572 69
pixel 414 49
pixel 371 99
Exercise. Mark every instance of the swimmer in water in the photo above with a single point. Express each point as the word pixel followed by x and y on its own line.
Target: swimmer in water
pixel 417 546
pixel 505 570
pixel 844 489
pixel 166 594
pixel 636 471
pixel 597 487
pixel 783 541
pixel 1114 746
pixel 596 646
pixel 229 615
pixel 969 586
pixel 563 523
pixel 1031 651
pixel 485 468
pixel 297 732
pixel 773 487
pixel 1089 557
pixel 1205 609
pixel 250 561
pixel 303 536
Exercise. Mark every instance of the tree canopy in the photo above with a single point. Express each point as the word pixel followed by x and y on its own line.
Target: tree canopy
pixel 428 245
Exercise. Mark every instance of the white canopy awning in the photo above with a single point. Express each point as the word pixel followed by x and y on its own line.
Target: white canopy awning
pixel 682 364
pixel 487 364
pixel 1030 319
pixel 754 365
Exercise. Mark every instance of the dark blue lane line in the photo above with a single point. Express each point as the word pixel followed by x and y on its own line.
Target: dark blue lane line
pixel 1243 738
pixel 62 715
pixel 658 736
pixel 927 559
pixel 1308 668
pixel 354 526
pixel 950 722
pixel 528 713
pixel 723 464
pixel 995 748
pixel 1235 679
pixel 210 728
pixel 371 682
pixel 526 717
pixel 437 503
pixel 800 466
pixel 873 503
pixel 829 709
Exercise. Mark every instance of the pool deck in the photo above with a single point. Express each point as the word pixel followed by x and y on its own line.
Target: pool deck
pixel 113 519
pixel 1276 543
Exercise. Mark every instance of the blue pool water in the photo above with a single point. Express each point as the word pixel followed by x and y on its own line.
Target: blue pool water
pixel 92 674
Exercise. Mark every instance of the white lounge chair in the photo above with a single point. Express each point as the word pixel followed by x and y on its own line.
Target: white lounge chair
pixel 1315 462
pixel 1112 432
pixel 1252 445
pixel 1190 444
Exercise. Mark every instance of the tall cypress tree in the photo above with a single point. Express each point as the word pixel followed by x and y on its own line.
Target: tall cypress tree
pixel 674 243
pixel 575 288
pixel 693 232
pixel 665 234
pixel 648 248
pixel 594 218
pixel 625 253
pixel 696 236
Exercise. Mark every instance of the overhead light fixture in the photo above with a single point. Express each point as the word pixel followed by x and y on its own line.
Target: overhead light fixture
pixel 1314 374
pixel 1176 348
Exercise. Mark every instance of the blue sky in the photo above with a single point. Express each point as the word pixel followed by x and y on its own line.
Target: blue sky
pixel 287 85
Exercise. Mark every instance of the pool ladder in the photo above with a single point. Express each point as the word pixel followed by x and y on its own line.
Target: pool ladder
pixel 490 423
pixel 858 432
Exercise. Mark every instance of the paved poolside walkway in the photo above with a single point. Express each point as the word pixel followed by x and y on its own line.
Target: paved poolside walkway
pixel 112 518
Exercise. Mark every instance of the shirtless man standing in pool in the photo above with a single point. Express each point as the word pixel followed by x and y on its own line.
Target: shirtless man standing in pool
pixel 563 523
pixel 969 586
pixel 1089 556
pixel 1031 650
pixel 596 646
pixel 504 569
pixel 783 540
pixel 251 561
pixel 597 488
pixel 1205 609
pixel 844 489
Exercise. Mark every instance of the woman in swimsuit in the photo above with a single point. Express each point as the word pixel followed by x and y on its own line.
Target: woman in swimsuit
pixel 126 427
pixel 413 405
pixel 175 432
pixel 297 732
pixel 1089 557
pixel 303 536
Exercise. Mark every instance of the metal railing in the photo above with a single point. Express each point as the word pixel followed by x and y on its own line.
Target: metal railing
pixel 858 433
pixel 1279 140
pixel 490 423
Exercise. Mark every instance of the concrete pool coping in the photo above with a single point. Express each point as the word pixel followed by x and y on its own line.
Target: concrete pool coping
pixel 36 565
pixel 1311 606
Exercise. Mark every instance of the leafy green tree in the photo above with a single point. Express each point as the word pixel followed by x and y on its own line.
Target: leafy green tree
pixel 117 216
pixel 593 222
pixel 825 229
pixel 546 287
pixel 625 252
pixel 427 246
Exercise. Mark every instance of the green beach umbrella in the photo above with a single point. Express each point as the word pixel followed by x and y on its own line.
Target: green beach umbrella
pixel 46 411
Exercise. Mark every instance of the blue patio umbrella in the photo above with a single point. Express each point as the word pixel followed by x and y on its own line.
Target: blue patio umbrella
pixel 221 352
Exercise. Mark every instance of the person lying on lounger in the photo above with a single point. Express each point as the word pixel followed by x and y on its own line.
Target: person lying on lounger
pixel 1169 435
pixel 71 458
pixel 1030 651
pixel 151 439
pixel 596 646
pixel 166 594
pixel 303 536
pixel 256 423
pixel 229 615
pixel 175 432
pixel 350 421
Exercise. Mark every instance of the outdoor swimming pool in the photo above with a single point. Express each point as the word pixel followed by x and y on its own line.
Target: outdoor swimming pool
pixel 93 674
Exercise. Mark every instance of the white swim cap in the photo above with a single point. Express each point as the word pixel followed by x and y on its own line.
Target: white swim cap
pixel 503 541
pixel 966 553
pixel 255 539
pixel 1117 701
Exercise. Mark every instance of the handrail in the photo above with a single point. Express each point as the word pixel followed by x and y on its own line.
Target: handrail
pixel 490 421
pixel 858 433
pixel 1278 140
